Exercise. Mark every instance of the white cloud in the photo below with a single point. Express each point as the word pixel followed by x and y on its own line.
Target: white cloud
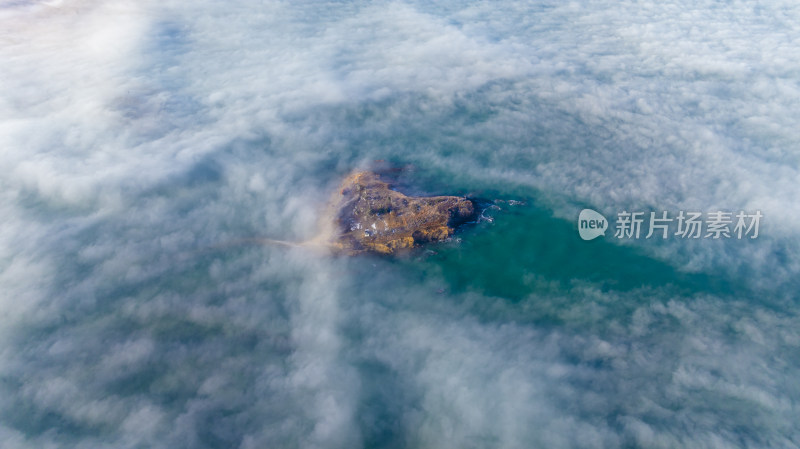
pixel 142 143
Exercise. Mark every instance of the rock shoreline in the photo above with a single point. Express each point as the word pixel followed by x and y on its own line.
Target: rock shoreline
pixel 370 217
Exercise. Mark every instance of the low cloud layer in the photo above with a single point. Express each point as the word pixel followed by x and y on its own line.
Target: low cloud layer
pixel 143 142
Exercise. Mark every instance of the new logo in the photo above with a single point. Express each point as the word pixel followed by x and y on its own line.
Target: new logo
pixel 591 224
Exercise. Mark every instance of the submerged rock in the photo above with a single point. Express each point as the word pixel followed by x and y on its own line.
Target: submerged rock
pixel 369 216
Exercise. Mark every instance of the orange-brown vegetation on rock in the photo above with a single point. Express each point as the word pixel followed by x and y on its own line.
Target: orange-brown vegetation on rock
pixel 369 216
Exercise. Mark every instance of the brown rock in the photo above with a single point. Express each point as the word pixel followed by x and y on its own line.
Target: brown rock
pixel 368 216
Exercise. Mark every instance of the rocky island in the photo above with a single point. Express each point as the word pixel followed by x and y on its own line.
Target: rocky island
pixel 368 216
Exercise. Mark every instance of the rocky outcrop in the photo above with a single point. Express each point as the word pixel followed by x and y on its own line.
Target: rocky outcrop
pixel 369 216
